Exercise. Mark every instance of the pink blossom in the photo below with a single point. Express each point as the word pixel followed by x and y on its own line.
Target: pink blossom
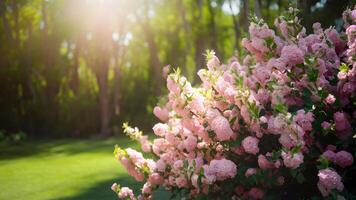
pixel 331 148
pixel 287 140
pixel 194 180
pixel 159 145
pixel 211 114
pixel 245 114
pixel 250 145
pixel 348 88
pixel 342 124
pixel 317 28
pixel 219 148
pixel 330 99
pixel 172 85
pixel 221 85
pixel 279 64
pixel 325 125
pixel 353 15
pixel 220 125
pixel 329 180
pixel 260 31
pixel 292 160
pixel 255 193
pixel 342 75
pixel 213 63
pixel 263 96
pixel 178 164
pixel 130 168
pixel 279 122
pixel 304 119
pixel 181 182
pixel 197 103
pixel 146 189
pixel 114 187
pixel 334 36
pixel 190 143
pixel 155 179
pixel 126 192
pixel 135 156
pixel 263 163
pixel 160 113
pixel 259 44
pixel 145 144
pixel 160 129
pixel 283 27
pixel 344 159
pixel 250 172
pixel 220 169
pixel 161 165
pixel 292 55
pixel 330 155
pixel 165 71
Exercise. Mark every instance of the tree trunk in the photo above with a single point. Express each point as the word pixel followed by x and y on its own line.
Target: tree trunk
pixel 29 91
pixel 245 14
pixel 236 27
pixel 257 8
pixel 6 23
pixel 213 32
pixel 199 41
pixel 268 16
pixel 100 66
pixel 117 80
pixel 74 81
pixel 45 53
pixel 15 8
pixel 102 78
pixel 187 34
pixel 155 64
pixel 100 61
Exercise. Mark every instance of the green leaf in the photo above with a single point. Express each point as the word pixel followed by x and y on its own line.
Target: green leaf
pixel 281 108
pixel 185 164
pixel 300 178
pixel 233 120
pixel 323 94
pixel 343 67
pixel 293 172
pixel 324 163
pixel 296 149
pixel 313 75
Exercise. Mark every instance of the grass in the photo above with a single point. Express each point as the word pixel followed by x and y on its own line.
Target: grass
pixel 63 170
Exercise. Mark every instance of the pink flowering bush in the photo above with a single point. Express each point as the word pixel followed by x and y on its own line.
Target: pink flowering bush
pixel 278 122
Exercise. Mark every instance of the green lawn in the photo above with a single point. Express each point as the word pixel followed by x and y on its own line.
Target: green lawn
pixel 63 170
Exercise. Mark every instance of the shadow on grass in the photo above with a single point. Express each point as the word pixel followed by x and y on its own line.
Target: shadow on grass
pixel 102 191
pixel 63 146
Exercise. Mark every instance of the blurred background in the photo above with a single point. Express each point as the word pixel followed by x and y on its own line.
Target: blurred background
pixel 82 67
pixel 74 69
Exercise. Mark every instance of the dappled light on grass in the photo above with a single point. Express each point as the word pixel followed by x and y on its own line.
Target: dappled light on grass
pixel 62 169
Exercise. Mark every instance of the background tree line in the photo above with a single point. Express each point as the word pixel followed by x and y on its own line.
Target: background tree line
pixel 77 68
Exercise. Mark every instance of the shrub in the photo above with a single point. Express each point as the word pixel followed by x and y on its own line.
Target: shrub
pixel 259 126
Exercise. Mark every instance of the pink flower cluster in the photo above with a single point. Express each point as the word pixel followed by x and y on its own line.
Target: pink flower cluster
pixel 341 158
pixel 329 180
pixel 123 192
pixel 280 107
pixel 219 170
